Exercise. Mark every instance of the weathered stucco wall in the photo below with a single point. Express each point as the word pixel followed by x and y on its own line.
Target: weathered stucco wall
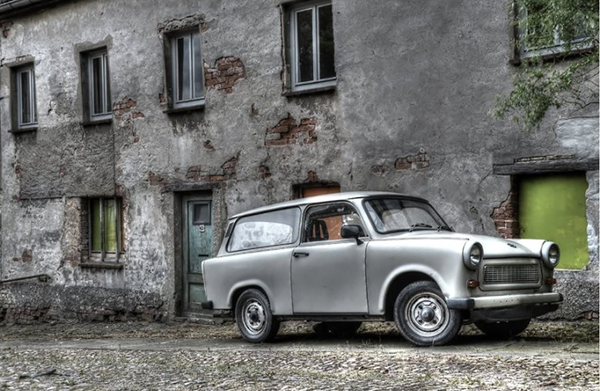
pixel 409 114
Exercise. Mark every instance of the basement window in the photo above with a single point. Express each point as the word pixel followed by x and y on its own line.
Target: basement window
pixel 311 46
pixel 25 99
pixel 184 69
pixel 96 86
pixel 105 233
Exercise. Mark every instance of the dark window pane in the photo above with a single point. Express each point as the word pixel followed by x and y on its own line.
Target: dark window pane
pixel 110 226
pixel 198 68
pixel 97 85
pixel 201 214
pixel 33 104
pixel 107 104
pixel 183 68
pixel 25 98
pixel 96 234
pixel 305 45
pixel 326 49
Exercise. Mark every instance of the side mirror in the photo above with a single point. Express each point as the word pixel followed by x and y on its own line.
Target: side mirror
pixel 351 231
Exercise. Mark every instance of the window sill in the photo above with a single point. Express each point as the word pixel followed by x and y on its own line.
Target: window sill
pixel 177 110
pixel 308 91
pixel 549 54
pixel 97 122
pixel 101 265
pixel 24 130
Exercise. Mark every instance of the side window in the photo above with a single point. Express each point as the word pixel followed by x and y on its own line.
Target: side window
pixel 184 74
pixel 311 46
pixel 264 230
pixel 25 99
pixel 96 86
pixel 324 222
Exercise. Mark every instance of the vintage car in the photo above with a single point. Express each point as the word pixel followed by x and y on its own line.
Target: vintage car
pixel 346 258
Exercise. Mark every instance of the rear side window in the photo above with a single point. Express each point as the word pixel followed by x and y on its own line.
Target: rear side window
pixel 266 229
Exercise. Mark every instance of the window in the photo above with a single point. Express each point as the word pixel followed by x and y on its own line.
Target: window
pixel 98 86
pixel 537 37
pixel 312 46
pixel 324 222
pixel 266 229
pixel 186 82
pixel 104 228
pixel 26 112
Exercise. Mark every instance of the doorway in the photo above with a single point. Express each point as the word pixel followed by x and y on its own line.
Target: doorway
pixel 197 245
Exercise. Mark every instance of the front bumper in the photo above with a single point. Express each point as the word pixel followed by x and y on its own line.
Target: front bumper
pixel 504 301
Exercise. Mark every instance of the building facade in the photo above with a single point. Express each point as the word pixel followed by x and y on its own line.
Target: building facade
pixel 130 131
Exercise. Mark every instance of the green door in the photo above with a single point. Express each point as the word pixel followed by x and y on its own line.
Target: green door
pixel 197 246
pixel 552 207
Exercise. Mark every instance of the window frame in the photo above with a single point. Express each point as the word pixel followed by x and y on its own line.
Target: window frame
pixel 90 56
pixel 347 203
pixel 173 64
pixel 292 34
pixel 558 47
pixel 295 242
pixel 18 71
pixel 103 257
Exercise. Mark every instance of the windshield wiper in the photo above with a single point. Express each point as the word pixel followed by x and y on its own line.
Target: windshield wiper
pixel 445 228
pixel 419 225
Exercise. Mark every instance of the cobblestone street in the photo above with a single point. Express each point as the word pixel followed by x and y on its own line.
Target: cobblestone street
pixel 152 356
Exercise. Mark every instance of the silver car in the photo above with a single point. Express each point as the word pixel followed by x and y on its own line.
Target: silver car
pixel 347 258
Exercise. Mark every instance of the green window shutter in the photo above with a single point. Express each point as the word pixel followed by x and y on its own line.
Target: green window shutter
pixel 110 226
pixel 96 234
pixel 552 207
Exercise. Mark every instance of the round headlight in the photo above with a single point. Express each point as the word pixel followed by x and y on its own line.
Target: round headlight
pixel 550 254
pixel 473 255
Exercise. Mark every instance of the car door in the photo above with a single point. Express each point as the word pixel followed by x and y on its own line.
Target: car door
pixel 328 271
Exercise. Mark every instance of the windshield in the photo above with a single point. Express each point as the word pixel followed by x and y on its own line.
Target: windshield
pixel 398 215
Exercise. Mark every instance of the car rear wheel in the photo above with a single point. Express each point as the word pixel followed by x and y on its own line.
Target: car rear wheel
pixel 503 330
pixel 254 318
pixel 422 316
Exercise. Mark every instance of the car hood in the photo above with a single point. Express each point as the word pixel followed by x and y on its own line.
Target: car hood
pixel 492 247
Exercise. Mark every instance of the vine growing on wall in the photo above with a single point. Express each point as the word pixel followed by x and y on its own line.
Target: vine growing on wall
pixel 557 49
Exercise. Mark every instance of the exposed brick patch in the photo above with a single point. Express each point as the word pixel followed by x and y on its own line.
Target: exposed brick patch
pixel 194 173
pixel 413 162
pixel 264 171
pixel 155 179
pixel 230 167
pixel 17 169
pixel 223 76
pixel 208 146
pixel 312 177
pixel 5 27
pixel 288 131
pixel 254 110
pixel 25 257
pixel 379 170
pixel 123 110
pixel 506 217
pixel 590 315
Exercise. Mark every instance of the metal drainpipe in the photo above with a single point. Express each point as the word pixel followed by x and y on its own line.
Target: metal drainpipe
pixel 40 277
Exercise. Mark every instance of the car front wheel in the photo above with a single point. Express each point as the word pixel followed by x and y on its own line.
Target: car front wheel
pixel 254 318
pixel 422 316
pixel 503 330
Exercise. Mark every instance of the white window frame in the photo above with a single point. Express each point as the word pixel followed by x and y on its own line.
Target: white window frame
pixel 194 100
pixel 317 82
pixel 105 93
pixel 31 97
pixel 556 48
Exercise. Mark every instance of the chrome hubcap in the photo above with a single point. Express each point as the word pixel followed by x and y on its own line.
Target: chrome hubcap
pixel 427 314
pixel 253 317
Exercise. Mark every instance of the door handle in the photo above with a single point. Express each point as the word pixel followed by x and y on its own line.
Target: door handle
pixel 298 254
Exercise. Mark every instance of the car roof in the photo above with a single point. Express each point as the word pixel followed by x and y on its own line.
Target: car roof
pixel 344 196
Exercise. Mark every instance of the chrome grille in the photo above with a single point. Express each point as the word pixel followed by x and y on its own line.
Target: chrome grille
pixel 511 274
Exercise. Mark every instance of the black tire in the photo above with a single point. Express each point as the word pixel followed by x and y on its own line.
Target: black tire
pixel 503 330
pixel 422 316
pixel 337 329
pixel 254 317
